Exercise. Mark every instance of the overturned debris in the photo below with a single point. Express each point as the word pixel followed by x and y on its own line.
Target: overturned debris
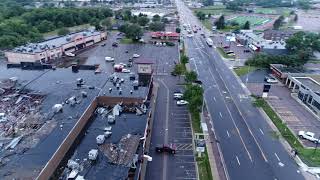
pixel 123 152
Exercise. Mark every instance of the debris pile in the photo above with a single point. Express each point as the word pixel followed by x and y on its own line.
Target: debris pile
pixel 123 152
pixel 19 112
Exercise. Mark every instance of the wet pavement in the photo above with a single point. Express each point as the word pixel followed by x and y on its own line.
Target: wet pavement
pixel 59 85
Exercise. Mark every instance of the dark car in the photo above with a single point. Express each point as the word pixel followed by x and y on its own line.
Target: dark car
pixel 103 44
pixel 169 148
pixel 246 50
pixel 130 59
pixel 115 44
pixel 173 73
pixel 198 82
pixel 226 47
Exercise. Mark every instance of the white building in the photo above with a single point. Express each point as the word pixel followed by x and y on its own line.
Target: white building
pixel 54 48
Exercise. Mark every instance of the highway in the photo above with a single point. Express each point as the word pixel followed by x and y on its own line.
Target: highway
pixel 243 134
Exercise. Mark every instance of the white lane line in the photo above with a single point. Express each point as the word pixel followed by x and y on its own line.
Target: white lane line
pixel 261 131
pixel 277 156
pixel 220 114
pixel 228 133
pixel 214 98
pixel 238 160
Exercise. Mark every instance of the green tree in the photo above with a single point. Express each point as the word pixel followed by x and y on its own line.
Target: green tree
pixel 134 32
pixel 278 22
pixel 165 20
pixel 178 69
pixel 246 25
pixel 184 59
pixel 157 26
pixel 106 23
pixel 156 18
pixel 220 23
pixel 143 20
pixel 191 76
pixel 201 15
pixel 194 95
pixel 45 26
pixel 63 31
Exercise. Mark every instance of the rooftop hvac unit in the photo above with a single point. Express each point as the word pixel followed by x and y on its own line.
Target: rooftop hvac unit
pixel 93 154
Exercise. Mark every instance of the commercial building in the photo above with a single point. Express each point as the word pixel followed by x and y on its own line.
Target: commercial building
pixel 258 44
pixel 277 35
pixel 165 35
pixel 305 85
pixel 55 48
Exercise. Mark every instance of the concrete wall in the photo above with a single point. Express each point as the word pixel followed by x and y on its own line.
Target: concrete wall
pixel 57 157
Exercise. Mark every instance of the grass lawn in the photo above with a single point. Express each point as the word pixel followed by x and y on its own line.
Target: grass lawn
pixel 223 54
pixel 309 156
pixel 240 71
pixel 207 24
pixel 266 11
pixel 213 11
pixel 126 41
pixel 204 167
pixel 254 20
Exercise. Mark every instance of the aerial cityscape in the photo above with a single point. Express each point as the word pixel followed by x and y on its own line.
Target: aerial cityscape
pixel 160 89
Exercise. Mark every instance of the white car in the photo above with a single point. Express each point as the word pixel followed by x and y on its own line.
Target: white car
pixel 308 136
pixel 109 59
pixel 123 64
pixel 182 102
pixel 136 55
pixel 178 96
pixel 125 70
pixel 190 35
pixel 271 80
pixel 239 45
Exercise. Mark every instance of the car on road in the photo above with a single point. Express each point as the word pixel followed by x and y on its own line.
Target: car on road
pixel 109 59
pixel 136 55
pixel 169 148
pixel 190 35
pixel 270 80
pixel 246 51
pixel 115 44
pixel 125 70
pixel 103 44
pixel 308 136
pixel 182 102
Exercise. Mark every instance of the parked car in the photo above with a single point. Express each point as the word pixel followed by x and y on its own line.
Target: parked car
pixel 103 44
pixel 182 102
pixel 270 80
pixel 308 136
pixel 239 45
pixel 190 35
pixel 169 148
pixel 126 70
pixel 115 44
pixel 109 59
pixel 136 55
pixel 226 47
pixel 246 50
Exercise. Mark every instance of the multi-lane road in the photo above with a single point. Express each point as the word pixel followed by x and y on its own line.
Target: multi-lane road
pixel 249 151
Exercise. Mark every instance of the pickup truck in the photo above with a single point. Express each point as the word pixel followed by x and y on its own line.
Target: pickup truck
pixel 308 136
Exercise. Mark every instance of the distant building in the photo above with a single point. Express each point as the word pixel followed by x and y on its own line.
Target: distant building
pixel 165 35
pixel 277 35
pixel 257 43
pixel 55 48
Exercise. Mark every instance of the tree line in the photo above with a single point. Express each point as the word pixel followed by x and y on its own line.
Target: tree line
pixel 19 25
pixel 300 46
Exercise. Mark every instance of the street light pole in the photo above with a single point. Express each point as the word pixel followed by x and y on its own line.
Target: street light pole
pixel 315 149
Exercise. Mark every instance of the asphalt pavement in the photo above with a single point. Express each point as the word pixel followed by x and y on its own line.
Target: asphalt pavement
pixel 248 150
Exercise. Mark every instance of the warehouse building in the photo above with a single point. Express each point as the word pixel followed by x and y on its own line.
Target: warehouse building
pixel 52 49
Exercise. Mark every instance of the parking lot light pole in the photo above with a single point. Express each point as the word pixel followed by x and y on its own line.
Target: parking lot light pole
pixel 315 149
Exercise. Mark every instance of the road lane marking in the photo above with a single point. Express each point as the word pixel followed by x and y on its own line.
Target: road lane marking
pixel 214 98
pixel 228 133
pixel 277 156
pixel 261 131
pixel 220 114
pixel 238 160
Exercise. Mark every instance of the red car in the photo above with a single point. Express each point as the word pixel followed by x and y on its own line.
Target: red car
pixel 169 148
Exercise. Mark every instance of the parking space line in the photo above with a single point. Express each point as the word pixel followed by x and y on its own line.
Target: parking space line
pixel 228 133
pixel 261 131
pixel 238 160
pixel 220 114
pixel 277 156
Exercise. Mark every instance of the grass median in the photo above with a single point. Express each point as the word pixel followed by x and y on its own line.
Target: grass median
pixel 243 70
pixel 310 156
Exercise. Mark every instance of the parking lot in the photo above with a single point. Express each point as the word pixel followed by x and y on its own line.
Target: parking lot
pixel 162 57
pixel 292 113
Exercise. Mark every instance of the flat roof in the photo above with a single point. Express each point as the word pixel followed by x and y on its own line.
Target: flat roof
pixel 286 69
pixel 52 43
pixel 310 83
pixel 126 123
pixel 126 87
